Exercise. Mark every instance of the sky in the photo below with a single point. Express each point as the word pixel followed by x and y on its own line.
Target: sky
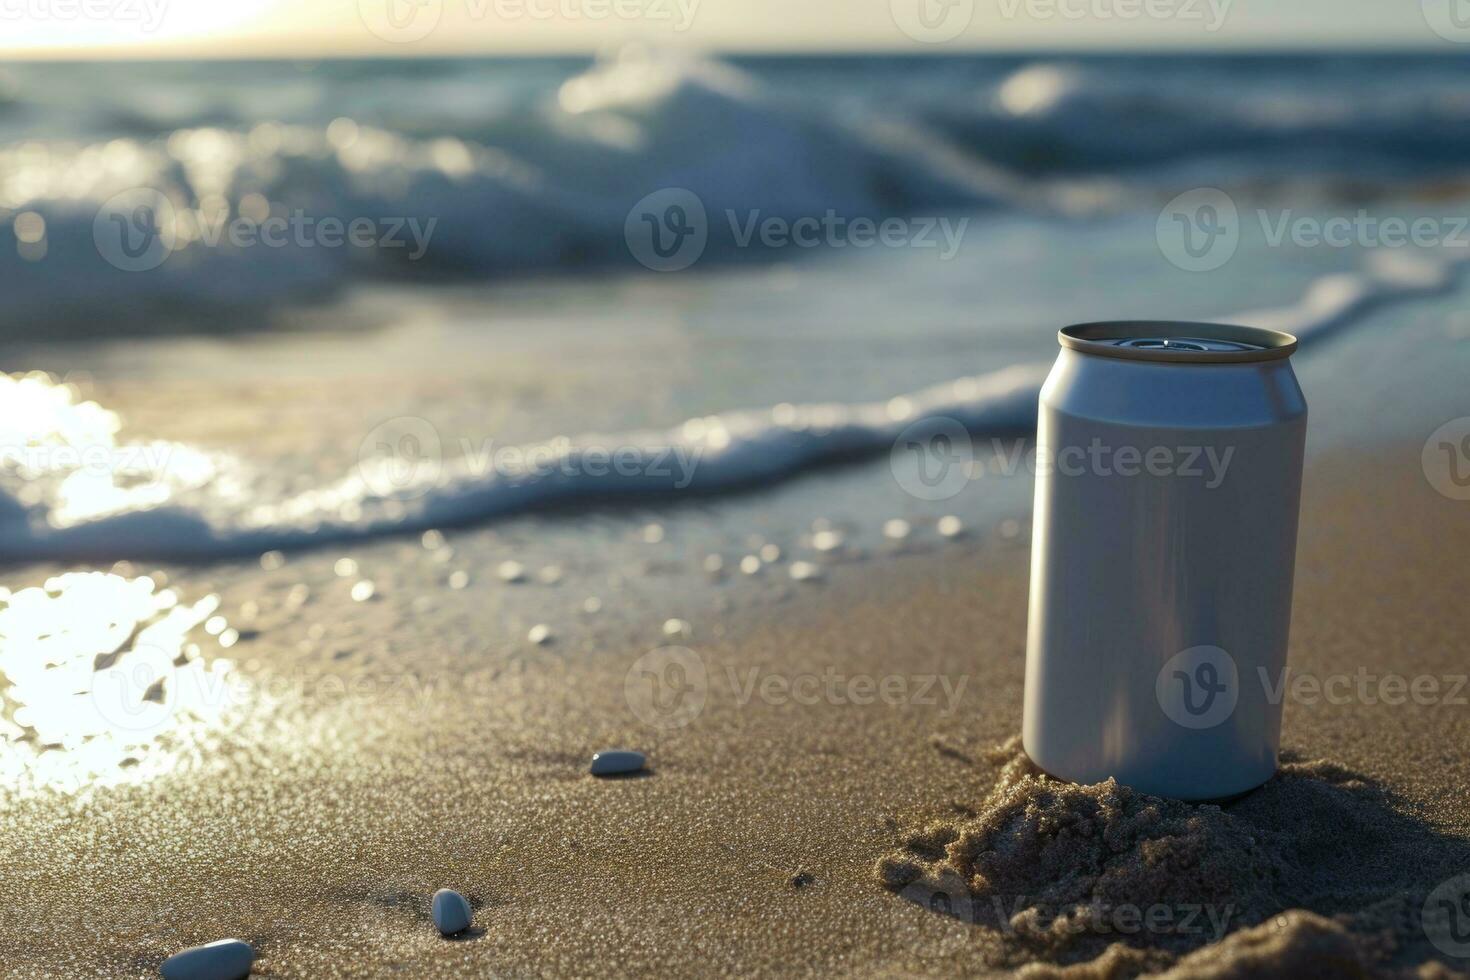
pixel 328 28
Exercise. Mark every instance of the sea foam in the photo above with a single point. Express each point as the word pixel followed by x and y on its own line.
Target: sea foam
pixel 69 489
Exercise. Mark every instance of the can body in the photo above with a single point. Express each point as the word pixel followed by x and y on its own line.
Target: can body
pixel 1164 540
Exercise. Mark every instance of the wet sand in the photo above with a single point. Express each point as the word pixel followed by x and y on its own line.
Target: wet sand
pixel 319 828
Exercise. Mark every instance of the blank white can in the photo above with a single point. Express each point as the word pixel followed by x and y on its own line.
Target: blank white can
pixel 1164 538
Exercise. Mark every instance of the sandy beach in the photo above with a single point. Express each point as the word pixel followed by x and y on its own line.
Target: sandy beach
pixel 754 841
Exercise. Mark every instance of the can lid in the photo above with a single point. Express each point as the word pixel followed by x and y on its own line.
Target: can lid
pixel 1174 340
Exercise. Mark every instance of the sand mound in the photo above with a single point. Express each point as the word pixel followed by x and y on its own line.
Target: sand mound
pixel 1315 870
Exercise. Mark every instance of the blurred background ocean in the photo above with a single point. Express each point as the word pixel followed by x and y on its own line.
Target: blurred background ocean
pixel 529 166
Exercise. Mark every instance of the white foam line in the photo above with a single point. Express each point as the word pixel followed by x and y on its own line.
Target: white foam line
pixel 1334 301
pixel 734 450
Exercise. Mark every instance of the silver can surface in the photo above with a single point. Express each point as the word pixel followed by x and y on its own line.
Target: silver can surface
pixel 1164 539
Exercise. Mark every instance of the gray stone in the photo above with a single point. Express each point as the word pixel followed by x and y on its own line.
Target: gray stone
pixel 451 912
pixel 224 959
pixel 615 762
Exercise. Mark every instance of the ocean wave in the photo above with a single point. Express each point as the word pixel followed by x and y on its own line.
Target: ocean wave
pixel 535 169
pixel 544 186
pixel 70 489
pixel 1323 119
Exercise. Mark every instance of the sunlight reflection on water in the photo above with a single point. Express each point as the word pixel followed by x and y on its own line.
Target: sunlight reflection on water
pixel 62 454
pixel 99 683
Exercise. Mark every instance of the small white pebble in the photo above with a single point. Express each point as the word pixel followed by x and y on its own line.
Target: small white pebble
pixel 951 526
pixel 452 913
pixel 550 575
pixel 804 571
pixel 676 627
pixel 345 568
pixel 540 634
pixel 750 564
pixel 511 571
pixel 363 591
pixel 459 579
pixel 653 533
pixel 897 529
pixel 272 560
pixel 592 604
pixel 224 959
pixel 714 564
pixel 770 553
pixel 432 539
